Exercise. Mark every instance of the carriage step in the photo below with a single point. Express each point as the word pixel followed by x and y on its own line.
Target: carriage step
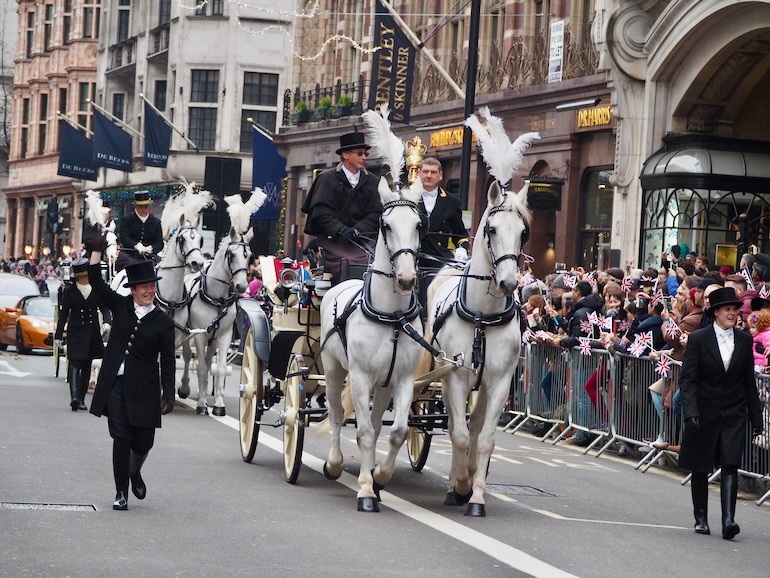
pixel 276 423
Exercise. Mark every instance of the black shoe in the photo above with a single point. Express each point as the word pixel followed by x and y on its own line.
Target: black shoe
pixel 82 406
pixel 138 486
pixel 701 523
pixel 74 404
pixel 120 503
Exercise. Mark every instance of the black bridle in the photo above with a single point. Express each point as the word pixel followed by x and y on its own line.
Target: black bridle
pixel 181 241
pixel 231 294
pixel 384 228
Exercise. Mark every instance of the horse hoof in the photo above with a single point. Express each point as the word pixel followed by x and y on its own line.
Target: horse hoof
pixel 218 411
pixel 201 410
pixel 368 505
pixel 183 394
pixel 476 511
pixel 455 499
pixel 329 475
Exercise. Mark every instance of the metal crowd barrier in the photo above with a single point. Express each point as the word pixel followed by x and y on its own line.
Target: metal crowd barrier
pixel 608 396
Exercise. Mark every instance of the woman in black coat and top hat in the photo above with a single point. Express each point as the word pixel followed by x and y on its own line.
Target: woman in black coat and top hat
pixel 78 310
pixel 134 387
pixel 719 392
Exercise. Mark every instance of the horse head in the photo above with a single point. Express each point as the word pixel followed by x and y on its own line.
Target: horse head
pixel 237 257
pixel 505 230
pixel 189 244
pixel 402 226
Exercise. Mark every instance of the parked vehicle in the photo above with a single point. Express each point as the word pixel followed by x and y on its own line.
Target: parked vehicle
pixel 28 324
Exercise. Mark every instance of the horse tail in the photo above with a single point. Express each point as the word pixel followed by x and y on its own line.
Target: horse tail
pixel 325 425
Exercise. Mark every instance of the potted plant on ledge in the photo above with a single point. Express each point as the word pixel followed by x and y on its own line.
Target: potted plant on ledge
pixel 301 113
pixel 324 108
pixel 344 106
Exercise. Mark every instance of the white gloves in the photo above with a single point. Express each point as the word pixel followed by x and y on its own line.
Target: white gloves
pixel 461 254
pixel 143 249
pixel 105 329
pixel 57 343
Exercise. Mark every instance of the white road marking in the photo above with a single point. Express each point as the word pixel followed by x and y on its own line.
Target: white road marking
pixel 611 522
pixel 501 551
pixel 12 371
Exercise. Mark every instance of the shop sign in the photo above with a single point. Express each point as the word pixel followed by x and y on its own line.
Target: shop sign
pixel 544 194
pixel 450 137
pixel 597 116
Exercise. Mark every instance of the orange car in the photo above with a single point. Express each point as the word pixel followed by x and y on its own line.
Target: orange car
pixel 28 324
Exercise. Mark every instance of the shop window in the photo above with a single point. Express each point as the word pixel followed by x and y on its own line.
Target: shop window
pixel 596 222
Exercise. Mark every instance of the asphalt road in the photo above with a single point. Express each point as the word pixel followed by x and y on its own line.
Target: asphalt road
pixel 550 511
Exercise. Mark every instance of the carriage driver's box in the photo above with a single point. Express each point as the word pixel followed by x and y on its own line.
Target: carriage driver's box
pixel 294 317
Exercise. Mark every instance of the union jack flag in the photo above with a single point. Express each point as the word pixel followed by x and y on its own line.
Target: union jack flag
pixel 527 336
pixel 637 348
pixel 663 365
pixel 648 279
pixel 658 297
pixel 570 281
pixel 586 326
pixel 542 335
pixel 623 326
pixel 585 346
pixel 764 292
pixel 593 318
pixel 606 323
pixel 672 328
pixel 749 281
pixel 527 279
pixel 626 284
pixel 645 339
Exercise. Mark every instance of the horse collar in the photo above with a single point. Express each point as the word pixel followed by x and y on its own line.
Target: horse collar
pixel 375 314
pixel 483 319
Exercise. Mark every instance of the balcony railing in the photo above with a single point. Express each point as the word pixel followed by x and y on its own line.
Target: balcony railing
pixel 159 40
pixel 123 54
pixel 340 100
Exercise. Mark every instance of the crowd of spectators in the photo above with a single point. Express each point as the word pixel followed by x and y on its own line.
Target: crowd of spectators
pixel 645 301
pixel 35 269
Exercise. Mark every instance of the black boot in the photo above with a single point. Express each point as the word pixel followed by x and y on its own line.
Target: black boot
pixel 137 483
pixel 729 493
pixel 121 452
pixel 74 378
pixel 699 485
pixel 85 376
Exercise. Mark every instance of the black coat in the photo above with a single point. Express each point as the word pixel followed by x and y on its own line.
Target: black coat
pixel 333 203
pixel 139 343
pixel 446 222
pixel 84 338
pixel 133 231
pixel 720 399
pixel 584 307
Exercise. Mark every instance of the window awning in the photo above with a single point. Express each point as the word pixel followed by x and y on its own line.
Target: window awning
pixel 711 163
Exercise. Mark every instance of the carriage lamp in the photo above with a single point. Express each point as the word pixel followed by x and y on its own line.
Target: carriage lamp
pixel 66 249
pixel 28 250
pixel 46 251
pixel 66 271
pixel 287 279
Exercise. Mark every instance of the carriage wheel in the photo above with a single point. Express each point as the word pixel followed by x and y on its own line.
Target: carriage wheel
pixel 251 396
pixel 417 438
pixel 293 425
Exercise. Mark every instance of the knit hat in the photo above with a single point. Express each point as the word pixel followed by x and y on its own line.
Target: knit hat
pixel 726 270
pixel 615 272
pixel 559 282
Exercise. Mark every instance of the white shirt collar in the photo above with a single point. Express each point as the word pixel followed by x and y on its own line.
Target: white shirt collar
pixel 141 218
pixel 433 193
pixel 352 177
pixel 719 332
pixel 142 310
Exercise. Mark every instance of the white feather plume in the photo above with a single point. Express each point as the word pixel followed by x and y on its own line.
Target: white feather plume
pixel 240 212
pixel 97 213
pixel 195 202
pixel 384 143
pixel 172 210
pixel 501 156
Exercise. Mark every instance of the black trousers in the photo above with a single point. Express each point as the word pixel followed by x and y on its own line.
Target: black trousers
pixel 125 437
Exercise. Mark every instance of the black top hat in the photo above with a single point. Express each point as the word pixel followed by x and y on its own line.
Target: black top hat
pixel 141 272
pixel 722 297
pixel 142 198
pixel 80 267
pixel 352 140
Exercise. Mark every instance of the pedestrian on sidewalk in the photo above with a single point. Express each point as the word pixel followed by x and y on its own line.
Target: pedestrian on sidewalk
pixel 78 310
pixel 718 393
pixel 128 390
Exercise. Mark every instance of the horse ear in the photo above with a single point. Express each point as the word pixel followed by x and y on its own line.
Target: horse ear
pixel 494 194
pixel 248 235
pixel 181 220
pixel 386 195
pixel 523 192
pixel 414 191
pixel 233 233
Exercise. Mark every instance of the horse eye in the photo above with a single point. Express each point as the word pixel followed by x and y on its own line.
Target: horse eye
pixel 386 227
pixel 492 231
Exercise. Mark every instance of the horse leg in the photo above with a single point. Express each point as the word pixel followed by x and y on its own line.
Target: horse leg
pixel 361 391
pixel 203 373
pixel 402 399
pixel 489 408
pixel 455 392
pixel 223 342
pixel 335 381
pixel 184 389
pixel 476 422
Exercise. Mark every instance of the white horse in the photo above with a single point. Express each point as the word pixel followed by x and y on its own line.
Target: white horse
pixel 475 314
pixel 212 309
pixel 363 334
pixel 211 313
